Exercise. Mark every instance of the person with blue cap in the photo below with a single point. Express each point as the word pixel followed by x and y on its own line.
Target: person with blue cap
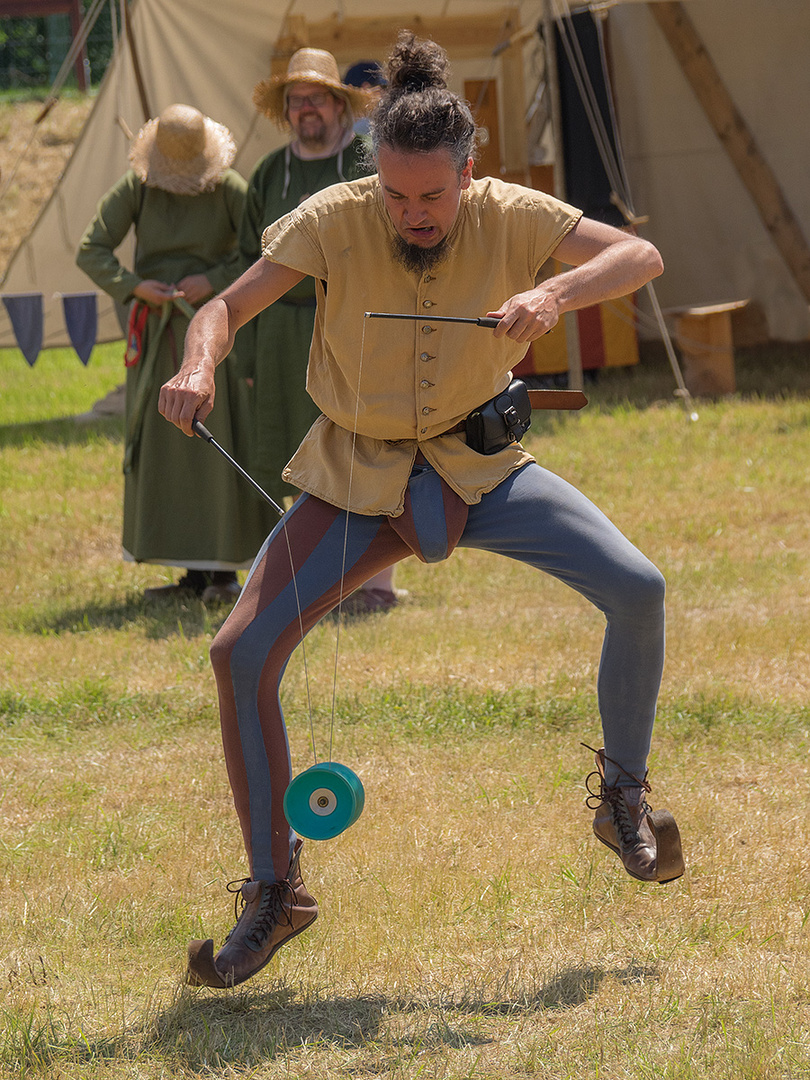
pixel 367 75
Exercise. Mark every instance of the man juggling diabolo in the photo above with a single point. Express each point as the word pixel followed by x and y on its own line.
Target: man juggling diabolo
pixel 393 466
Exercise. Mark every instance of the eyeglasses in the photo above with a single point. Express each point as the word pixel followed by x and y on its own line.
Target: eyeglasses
pixel 298 101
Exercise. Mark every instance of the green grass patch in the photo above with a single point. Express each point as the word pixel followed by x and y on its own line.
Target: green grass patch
pixel 90 704
pixel 58 385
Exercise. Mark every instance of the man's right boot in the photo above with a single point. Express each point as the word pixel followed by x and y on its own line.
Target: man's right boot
pixel 647 841
pixel 273 913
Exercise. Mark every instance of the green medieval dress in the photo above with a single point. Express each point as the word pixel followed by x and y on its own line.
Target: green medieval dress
pixel 273 349
pixel 184 505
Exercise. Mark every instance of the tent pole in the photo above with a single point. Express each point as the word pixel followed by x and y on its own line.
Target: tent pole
pixel 136 64
pixel 570 320
pixel 552 82
pixel 734 134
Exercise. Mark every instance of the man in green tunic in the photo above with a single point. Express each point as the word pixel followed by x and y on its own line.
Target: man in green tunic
pixel 311 103
pixel 183 506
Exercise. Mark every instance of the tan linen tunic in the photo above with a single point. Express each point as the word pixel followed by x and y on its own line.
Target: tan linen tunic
pixel 389 388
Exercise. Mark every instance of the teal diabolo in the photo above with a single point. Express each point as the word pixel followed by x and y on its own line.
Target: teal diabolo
pixel 323 801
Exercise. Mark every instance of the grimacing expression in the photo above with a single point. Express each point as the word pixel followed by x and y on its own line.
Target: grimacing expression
pixel 422 193
pixel 315 125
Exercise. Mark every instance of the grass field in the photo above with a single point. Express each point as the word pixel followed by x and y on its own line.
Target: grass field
pixel 470 925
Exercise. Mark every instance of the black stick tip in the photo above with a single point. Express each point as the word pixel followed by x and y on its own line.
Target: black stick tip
pixel 201 430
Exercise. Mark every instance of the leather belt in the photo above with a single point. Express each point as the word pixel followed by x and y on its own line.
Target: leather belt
pixel 540 399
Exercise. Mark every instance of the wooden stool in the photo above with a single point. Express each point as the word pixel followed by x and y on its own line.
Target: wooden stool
pixel 704 337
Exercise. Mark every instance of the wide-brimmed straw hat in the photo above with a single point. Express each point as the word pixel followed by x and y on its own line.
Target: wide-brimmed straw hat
pixel 182 151
pixel 308 66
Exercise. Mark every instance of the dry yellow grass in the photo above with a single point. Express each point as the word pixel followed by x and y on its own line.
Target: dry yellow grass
pixel 469 926
pixel 32 157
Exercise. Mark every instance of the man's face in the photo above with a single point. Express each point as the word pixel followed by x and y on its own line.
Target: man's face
pixel 422 193
pixel 314 114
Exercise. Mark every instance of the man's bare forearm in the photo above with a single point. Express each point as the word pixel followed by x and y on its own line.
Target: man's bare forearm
pixel 190 394
pixel 616 271
pixel 209 337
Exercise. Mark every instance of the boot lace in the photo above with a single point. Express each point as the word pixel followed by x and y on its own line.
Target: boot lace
pixel 626 829
pixel 623 823
pixel 274 909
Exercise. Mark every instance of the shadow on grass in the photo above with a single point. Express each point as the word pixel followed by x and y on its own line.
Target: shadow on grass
pixel 196 1032
pixel 63 432
pixel 574 985
pixel 158 619
pixel 200 1030
pixel 246 1028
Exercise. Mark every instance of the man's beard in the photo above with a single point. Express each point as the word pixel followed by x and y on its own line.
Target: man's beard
pixel 419 259
pixel 315 136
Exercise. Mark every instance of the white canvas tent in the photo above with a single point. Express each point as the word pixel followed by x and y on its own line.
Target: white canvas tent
pixel 715 243
pixel 718 245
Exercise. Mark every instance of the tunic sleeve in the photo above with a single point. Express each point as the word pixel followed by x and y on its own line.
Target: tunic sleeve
pixel 293 241
pixel 117 212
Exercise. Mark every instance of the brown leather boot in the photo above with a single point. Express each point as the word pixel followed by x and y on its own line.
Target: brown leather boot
pixel 647 841
pixel 272 914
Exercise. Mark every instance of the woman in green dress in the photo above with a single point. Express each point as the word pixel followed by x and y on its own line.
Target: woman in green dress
pixel 183 504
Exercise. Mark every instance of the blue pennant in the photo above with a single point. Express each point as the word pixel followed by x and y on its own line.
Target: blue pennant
pixel 81 320
pixel 26 313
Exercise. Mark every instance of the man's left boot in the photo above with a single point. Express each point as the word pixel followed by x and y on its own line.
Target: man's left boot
pixel 273 913
pixel 647 841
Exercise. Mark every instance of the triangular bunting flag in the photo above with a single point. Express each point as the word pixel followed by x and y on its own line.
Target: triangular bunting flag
pixel 81 320
pixel 26 313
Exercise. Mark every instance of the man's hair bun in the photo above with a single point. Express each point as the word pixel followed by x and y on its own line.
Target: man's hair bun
pixel 416 64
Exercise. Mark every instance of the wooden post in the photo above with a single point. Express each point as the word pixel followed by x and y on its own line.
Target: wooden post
pixel 733 132
pixel 483 97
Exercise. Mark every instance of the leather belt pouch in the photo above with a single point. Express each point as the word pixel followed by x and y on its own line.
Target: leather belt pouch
pixel 503 420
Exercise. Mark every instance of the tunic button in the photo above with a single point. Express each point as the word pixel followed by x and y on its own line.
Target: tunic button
pixel 425 384
pixel 425 356
pixel 427 329
pixel 426 410
pixel 423 430
pixel 427 303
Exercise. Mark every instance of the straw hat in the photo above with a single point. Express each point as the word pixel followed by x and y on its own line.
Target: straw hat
pixel 182 151
pixel 308 66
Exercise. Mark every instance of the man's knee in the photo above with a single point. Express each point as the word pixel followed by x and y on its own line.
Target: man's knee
pixel 220 654
pixel 645 587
